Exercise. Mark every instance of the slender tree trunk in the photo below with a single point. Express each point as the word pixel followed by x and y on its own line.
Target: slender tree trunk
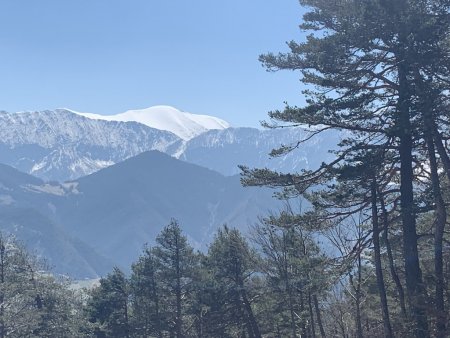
pixel 125 308
pixel 302 309
pixel 441 149
pixel 200 324
pixel 242 315
pixel 392 268
pixel 2 282
pixel 357 288
pixel 378 266
pixel 248 308
pixel 414 283
pixel 318 316
pixel 288 287
pixel 178 320
pixel 291 308
pixel 432 138
pixel 156 301
pixel 440 220
pixel 311 315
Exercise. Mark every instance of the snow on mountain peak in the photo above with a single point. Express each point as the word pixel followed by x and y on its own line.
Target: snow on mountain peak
pixel 184 125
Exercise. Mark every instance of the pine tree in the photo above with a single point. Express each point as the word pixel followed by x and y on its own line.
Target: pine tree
pixel 232 262
pixel 146 296
pixel 367 61
pixel 175 262
pixel 294 266
pixel 108 306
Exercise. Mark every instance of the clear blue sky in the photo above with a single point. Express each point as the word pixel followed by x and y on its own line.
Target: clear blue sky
pixel 108 56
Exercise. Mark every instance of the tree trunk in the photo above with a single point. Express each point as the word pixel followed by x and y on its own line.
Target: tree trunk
pixel 125 308
pixel 311 315
pixel 178 319
pixel 155 296
pixel 2 282
pixel 318 316
pixel 414 283
pixel 392 268
pixel 291 307
pixel 441 217
pixel 358 322
pixel 248 308
pixel 378 266
pixel 441 149
pixel 432 138
pixel 302 309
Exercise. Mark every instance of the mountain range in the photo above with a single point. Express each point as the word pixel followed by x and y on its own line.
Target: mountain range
pixel 85 226
pixel 87 192
pixel 62 145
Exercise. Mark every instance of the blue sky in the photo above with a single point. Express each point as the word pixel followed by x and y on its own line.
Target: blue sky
pixel 108 56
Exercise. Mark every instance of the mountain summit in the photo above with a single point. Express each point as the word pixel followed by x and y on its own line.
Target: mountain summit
pixel 184 125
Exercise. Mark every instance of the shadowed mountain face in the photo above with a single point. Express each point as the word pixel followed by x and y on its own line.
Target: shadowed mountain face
pixel 26 209
pixel 116 210
pixel 120 208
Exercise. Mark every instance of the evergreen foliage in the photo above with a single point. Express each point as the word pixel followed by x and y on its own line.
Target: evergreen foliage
pixel 377 71
pixel 108 306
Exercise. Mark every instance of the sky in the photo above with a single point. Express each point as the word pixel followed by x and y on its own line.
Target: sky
pixel 109 56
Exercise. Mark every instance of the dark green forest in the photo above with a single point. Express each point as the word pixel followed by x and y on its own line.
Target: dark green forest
pixel 367 254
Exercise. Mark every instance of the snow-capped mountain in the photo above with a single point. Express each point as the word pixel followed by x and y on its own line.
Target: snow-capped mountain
pixel 61 145
pixel 184 125
pixel 131 193
pixel 224 150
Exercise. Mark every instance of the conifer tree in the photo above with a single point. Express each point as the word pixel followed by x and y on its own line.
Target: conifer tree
pixel 108 306
pixel 175 263
pixel 232 262
pixel 294 268
pixel 145 291
pixel 365 62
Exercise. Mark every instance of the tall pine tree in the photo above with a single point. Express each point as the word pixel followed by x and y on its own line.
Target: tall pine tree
pixel 364 62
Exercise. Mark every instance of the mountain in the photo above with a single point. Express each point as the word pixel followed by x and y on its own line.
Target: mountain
pixel 121 207
pixel 87 225
pixel 184 125
pixel 60 145
pixel 224 150
pixel 26 208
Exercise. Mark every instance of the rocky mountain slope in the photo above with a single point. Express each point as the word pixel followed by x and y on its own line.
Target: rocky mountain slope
pixel 62 145
pixel 224 150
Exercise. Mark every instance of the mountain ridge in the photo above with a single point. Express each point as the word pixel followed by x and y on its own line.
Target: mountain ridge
pixel 61 145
